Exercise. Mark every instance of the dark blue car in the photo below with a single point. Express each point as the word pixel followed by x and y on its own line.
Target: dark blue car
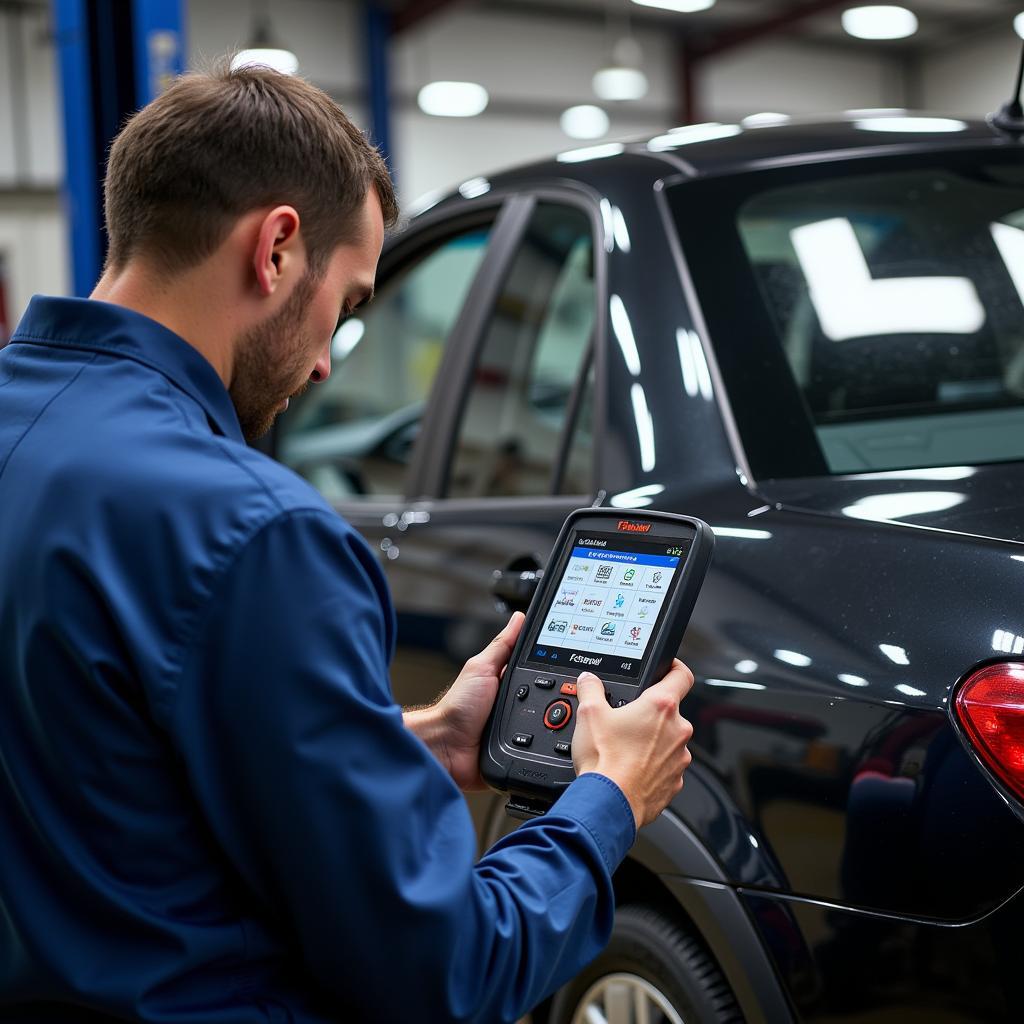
pixel 812 337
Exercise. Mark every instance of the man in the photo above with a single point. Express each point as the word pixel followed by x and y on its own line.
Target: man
pixel 211 809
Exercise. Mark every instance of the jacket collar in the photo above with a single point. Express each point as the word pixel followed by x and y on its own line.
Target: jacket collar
pixel 104 327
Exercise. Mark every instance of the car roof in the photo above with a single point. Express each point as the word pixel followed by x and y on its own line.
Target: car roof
pixel 713 149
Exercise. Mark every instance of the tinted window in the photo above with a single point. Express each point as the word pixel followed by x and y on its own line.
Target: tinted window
pixel 865 315
pixel 529 383
pixel 897 300
pixel 352 435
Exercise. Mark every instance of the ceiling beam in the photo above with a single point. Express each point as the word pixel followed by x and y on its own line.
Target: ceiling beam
pixel 416 11
pixel 760 28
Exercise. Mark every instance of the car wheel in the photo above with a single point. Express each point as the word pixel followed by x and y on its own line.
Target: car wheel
pixel 652 972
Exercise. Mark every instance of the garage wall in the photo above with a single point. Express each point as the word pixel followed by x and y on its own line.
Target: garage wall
pixel 33 246
pixel 798 79
pixel 975 77
pixel 543 65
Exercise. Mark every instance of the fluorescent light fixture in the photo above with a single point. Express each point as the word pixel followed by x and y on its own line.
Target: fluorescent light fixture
pixel 453 99
pixel 793 658
pixel 691 133
pixel 926 125
pixel 617 83
pixel 346 337
pixel 266 57
pixel 577 156
pixel 897 655
pixel 882 508
pixel 852 304
pixel 679 6
pixel 474 188
pixel 879 21
pixel 644 427
pixel 584 122
pixel 623 331
pixel 746 666
pixel 766 119
pixel 1018 24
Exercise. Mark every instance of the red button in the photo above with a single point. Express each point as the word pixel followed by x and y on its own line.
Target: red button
pixel 558 714
pixel 569 689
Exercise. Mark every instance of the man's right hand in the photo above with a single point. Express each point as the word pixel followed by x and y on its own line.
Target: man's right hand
pixel 641 746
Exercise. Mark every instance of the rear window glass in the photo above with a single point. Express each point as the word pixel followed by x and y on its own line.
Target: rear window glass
pixel 897 300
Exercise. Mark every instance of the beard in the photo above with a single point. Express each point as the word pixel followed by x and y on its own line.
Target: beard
pixel 272 363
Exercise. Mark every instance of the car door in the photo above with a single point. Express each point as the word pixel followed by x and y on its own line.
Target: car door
pixel 511 450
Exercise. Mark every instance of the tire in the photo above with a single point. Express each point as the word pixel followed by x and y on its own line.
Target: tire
pixel 650 959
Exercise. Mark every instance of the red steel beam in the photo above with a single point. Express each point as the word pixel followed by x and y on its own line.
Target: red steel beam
pixel 416 11
pixel 764 27
pixel 691 51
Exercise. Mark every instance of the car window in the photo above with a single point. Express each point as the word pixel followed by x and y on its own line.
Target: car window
pixel 530 381
pixel 352 435
pixel 898 299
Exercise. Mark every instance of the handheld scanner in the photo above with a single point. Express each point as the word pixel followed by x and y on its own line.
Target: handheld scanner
pixel 615 600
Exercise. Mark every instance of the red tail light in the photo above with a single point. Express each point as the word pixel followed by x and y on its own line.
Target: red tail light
pixel 990 708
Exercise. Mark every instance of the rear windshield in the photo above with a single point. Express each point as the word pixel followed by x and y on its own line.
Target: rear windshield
pixel 895 298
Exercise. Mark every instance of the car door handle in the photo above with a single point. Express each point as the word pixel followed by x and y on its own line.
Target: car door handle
pixel 515 586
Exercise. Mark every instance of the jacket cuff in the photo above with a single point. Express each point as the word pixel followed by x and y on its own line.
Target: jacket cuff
pixel 602 809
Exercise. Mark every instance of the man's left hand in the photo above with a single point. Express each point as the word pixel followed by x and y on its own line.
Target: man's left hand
pixel 452 728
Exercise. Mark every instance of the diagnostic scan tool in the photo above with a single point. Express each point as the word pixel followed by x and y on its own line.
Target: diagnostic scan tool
pixel 615 601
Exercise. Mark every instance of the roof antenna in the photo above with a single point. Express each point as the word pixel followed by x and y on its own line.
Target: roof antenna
pixel 1010 118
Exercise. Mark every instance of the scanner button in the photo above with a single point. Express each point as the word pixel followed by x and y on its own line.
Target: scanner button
pixel 565 749
pixel 558 714
pixel 569 689
pixel 522 693
pixel 544 682
pixel 522 739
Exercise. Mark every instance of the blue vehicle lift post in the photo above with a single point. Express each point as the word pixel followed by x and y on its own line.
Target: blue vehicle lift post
pixel 114 57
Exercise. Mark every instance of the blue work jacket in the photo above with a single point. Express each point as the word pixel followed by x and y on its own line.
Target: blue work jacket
pixel 210 809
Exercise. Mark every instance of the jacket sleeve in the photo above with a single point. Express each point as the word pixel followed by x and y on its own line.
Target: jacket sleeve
pixel 345 826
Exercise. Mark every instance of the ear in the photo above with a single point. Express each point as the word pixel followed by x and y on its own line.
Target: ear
pixel 280 253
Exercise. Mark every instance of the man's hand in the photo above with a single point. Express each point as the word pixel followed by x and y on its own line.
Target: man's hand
pixel 641 747
pixel 452 727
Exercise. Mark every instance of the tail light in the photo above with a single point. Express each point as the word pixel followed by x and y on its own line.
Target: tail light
pixel 990 709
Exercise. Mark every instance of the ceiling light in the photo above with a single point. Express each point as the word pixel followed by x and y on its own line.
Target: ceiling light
pixel 679 6
pixel 266 57
pixel 453 99
pixel 880 22
pixel 584 122
pixel 1018 24
pixel 619 83
pixel 265 49
pixel 621 79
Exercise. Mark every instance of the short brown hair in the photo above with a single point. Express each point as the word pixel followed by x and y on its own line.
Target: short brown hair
pixel 220 143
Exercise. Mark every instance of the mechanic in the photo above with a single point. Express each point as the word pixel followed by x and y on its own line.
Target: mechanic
pixel 211 808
